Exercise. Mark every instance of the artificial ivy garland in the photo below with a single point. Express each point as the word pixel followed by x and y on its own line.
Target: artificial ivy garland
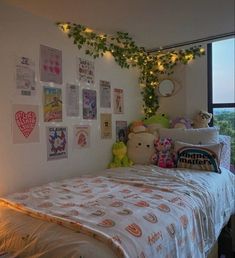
pixel 127 54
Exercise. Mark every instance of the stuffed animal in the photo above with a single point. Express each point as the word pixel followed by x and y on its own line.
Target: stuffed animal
pixel 120 158
pixel 163 157
pixel 140 147
pixel 181 122
pixel 137 127
pixel 202 119
pixel 157 121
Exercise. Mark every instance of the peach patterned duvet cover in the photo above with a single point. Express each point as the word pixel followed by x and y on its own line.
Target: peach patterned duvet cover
pixel 142 211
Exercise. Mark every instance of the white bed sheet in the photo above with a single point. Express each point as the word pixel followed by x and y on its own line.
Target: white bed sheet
pixel 24 236
pixel 213 193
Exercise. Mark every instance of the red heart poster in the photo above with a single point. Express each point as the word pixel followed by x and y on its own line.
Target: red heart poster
pixel 25 124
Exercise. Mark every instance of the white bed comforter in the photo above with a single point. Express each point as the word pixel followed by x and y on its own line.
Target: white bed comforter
pixel 142 211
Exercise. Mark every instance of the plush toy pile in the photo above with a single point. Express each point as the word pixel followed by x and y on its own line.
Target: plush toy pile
pixel 145 147
pixel 164 156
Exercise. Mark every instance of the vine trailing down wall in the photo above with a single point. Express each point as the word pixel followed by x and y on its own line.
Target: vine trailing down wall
pixel 127 54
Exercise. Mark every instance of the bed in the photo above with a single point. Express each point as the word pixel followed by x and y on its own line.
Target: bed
pixel 140 211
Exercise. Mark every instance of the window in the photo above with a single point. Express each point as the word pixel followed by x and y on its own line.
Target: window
pixel 221 93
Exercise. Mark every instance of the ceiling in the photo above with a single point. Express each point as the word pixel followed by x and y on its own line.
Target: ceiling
pixel 151 23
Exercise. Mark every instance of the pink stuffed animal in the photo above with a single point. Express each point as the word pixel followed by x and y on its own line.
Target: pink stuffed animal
pixel 163 157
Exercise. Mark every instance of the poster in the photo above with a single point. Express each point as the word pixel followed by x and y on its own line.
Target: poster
pixel 57 143
pixel 81 136
pixel 106 125
pixel 25 126
pixel 25 76
pixel 85 71
pixel 72 100
pixel 52 104
pixel 89 104
pixel 105 94
pixel 50 64
pixel 118 101
pixel 121 131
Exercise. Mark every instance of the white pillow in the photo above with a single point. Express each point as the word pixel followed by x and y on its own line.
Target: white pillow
pixel 200 157
pixel 208 135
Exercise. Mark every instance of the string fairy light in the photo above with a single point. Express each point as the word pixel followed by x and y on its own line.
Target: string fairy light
pixel 127 54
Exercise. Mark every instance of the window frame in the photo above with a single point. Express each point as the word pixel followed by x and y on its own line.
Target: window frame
pixel 210 103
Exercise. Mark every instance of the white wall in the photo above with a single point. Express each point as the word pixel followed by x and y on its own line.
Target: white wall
pixel 24 165
pixel 191 80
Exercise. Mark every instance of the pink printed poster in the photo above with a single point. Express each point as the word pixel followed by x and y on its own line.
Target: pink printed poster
pixel 50 64
pixel 25 126
pixel 118 102
pixel 81 136
pixel 57 143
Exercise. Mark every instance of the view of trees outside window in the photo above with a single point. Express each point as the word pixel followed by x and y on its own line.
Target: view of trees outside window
pixel 225 119
pixel 223 92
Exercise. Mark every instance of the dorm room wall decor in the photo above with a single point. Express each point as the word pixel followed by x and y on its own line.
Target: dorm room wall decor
pixel 52 104
pixel 50 64
pixel 89 104
pixel 57 142
pixel 17 171
pixel 81 136
pixel 121 131
pixel 118 101
pixel 25 76
pixel 25 123
pixel 105 94
pixel 72 100
pixel 85 71
pixel 106 125
pixel 127 54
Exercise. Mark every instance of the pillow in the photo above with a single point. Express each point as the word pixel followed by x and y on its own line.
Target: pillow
pixel 199 157
pixel 208 135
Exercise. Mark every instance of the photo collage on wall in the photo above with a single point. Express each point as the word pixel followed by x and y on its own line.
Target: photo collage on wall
pixel 58 96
